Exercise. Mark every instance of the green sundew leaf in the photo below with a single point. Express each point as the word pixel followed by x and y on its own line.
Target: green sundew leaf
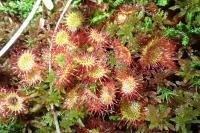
pixel 93 88
pixel 185 72
pixel 162 2
pixel 61 60
pixel 112 60
pixel 135 18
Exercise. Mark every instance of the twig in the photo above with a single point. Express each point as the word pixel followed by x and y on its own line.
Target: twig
pixel 31 96
pixel 55 117
pixel 50 63
pixel 21 29
pixel 63 13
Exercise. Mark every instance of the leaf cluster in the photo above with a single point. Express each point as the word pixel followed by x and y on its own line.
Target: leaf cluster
pixel 188 9
pixel 182 31
pixel 71 118
pixel 11 126
pixel 18 7
pixel 158 116
pixel 185 116
pixel 165 94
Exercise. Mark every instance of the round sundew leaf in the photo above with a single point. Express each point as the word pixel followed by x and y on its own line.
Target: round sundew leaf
pixel 61 60
pixel 26 62
pixel 14 103
pixel 61 38
pixel 74 20
pixel 131 112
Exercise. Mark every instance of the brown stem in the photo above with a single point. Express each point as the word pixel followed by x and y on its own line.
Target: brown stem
pixel 50 64
pixel 31 96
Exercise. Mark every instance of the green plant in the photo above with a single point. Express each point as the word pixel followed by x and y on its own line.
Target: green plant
pixel 162 2
pixel 196 82
pixel 160 19
pixel 70 119
pixel 158 116
pixel 189 71
pixel 185 116
pixel 165 94
pixel 21 7
pixel 76 3
pixel 47 119
pixel 183 31
pixel 115 118
pixel 147 25
pixel 100 16
pixel 112 28
pixel 31 42
pixel 54 98
pixel 142 2
pixel 126 32
pixel 118 2
pixel 188 9
pixel 11 126
pixel 110 66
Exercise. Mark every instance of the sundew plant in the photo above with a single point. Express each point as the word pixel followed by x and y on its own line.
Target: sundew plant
pixel 101 66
